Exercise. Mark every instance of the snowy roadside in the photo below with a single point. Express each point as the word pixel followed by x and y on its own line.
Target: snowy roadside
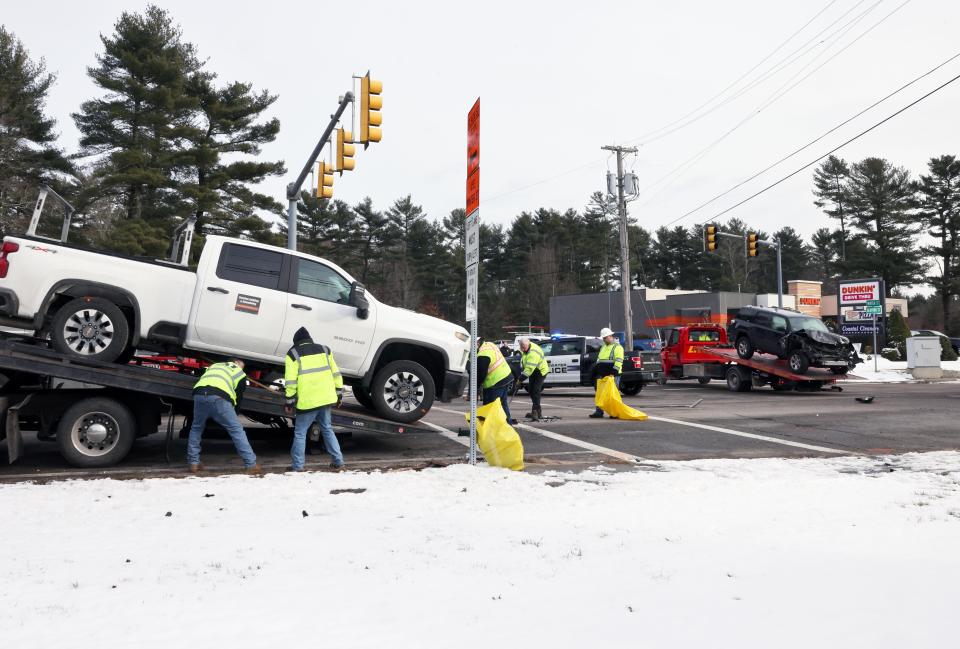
pixel 896 371
pixel 748 553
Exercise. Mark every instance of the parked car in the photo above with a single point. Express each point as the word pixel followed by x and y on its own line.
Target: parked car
pixel 572 359
pixel 801 339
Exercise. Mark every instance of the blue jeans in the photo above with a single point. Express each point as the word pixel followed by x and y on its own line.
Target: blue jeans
pixel 302 424
pixel 492 393
pixel 208 406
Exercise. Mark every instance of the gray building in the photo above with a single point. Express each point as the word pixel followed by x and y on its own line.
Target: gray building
pixel 653 309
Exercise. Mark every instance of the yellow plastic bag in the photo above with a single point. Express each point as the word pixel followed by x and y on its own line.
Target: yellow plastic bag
pixel 496 438
pixel 608 399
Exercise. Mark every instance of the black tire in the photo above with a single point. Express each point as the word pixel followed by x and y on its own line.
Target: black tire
pixel 631 389
pixel 362 395
pixel 744 347
pixel 90 328
pixel 387 391
pixel 798 362
pixel 736 381
pixel 840 370
pixel 703 380
pixel 96 432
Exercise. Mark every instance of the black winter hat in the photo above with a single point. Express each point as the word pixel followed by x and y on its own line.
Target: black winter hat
pixel 302 335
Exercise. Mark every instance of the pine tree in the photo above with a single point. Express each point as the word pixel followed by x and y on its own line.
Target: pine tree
pixel 403 220
pixel 214 177
pixel 370 240
pixel 825 254
pixel 27 152
pixel 881 197
pixel 134 132
pixel 830 183
pixel 939 200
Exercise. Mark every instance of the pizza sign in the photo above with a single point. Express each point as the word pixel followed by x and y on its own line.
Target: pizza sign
pixel 859 292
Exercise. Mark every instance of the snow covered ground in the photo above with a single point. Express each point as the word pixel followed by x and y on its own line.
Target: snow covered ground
pixel 893 371
pixel 840 552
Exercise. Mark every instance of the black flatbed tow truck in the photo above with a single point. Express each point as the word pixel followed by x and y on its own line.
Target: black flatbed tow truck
pixel 95 410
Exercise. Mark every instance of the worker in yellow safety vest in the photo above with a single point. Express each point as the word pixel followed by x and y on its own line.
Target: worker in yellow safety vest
pixel 313 384
pixel 534 368
pixel 217 396
pixel 494 375
pixel 609 361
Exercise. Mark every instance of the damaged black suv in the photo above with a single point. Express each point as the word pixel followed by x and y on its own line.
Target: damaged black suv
pixel 800 339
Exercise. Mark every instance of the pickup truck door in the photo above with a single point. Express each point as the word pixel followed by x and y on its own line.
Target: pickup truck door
pixel 241 302
pixel 564 359
pixel 317 300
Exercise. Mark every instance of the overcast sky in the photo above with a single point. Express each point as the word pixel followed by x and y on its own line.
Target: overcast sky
pixel 558 80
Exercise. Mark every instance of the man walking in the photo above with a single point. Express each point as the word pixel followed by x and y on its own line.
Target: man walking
pixel 313 383
pixel 534 370
pixel 217 396
pixel 611 355
pixel 495 374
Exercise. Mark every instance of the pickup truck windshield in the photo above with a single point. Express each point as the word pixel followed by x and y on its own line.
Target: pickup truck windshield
pixel 808 324
pixel 704 335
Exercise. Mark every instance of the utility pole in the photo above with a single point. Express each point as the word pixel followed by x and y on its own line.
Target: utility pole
pixel 626 284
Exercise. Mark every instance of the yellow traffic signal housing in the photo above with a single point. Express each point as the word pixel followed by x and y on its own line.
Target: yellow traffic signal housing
pixel 325 181
pixel 752 244
pixel 370 104
pixel 345 151
pixel 710 237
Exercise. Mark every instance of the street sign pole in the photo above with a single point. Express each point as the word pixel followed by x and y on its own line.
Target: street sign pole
pixel 472 259
pixel 875 350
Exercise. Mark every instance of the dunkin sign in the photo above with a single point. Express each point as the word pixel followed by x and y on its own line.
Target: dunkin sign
pixel 859 292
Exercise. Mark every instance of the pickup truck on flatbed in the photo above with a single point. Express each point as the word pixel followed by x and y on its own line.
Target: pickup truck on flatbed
pixel 572 359
pixel 244 299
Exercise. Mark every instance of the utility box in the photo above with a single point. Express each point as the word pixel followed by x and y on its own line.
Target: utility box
pixel 923 357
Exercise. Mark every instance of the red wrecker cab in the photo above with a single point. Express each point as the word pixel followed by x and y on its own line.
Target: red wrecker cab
pixel 688 345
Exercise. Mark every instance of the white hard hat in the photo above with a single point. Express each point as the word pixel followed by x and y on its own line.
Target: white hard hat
pixel 606 331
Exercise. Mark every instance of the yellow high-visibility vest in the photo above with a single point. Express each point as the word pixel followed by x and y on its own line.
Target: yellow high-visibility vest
pixel 498 369
pixel 311 377
pixel 223 376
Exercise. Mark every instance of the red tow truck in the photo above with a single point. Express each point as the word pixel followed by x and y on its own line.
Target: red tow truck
pixel 702 352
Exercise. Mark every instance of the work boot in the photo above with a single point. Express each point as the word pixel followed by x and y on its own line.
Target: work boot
pixel 253 470
pixel 597 414
pixel 537 414
pixel 196 468
pixel 530 415
pixel 337 468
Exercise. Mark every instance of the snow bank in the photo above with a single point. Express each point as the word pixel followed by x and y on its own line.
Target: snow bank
pixel 892 371
pixel 746 553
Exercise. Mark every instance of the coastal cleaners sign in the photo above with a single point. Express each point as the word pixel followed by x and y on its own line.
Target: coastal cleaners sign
pixel 859 292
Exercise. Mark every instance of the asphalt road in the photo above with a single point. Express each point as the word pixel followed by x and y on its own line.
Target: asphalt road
pixel 687 421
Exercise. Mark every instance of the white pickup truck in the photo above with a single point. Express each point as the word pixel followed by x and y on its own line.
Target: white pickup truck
pixel 245 299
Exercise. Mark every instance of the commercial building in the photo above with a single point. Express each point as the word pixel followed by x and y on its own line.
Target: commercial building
pixel 658 309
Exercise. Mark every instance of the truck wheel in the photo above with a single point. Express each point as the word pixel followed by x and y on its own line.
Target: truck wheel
pixel 736 381
pixel 703 380
pixel 798 362
pixel 402 391
pixel 96 432
pixel 631 389
pixel 744 347
pixel 90 328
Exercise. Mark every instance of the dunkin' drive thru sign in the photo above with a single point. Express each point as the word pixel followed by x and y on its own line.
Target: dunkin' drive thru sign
pixel 859 292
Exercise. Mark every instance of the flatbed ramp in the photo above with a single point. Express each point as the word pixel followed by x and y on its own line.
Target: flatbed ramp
pixel 764 369
pixel 45 390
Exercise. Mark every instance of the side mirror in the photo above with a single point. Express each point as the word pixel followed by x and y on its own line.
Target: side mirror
pixel 358 300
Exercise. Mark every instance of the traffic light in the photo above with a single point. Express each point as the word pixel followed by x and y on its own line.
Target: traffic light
pixel 752 244
pixel 710 237
pixel 370 105
pixel 345 151
pixel 325 181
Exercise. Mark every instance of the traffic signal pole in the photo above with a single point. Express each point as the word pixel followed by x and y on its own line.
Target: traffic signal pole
pixel 626 284
pixel 293 189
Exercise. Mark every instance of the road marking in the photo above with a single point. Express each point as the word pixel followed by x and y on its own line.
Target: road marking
pixel 603 450
pixel 730 431
pixel 620 455
pixel 449 434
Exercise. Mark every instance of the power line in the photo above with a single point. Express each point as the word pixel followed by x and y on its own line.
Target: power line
pixel 826 133
pixel 818 159
pixel 777 67
pixel 680 169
